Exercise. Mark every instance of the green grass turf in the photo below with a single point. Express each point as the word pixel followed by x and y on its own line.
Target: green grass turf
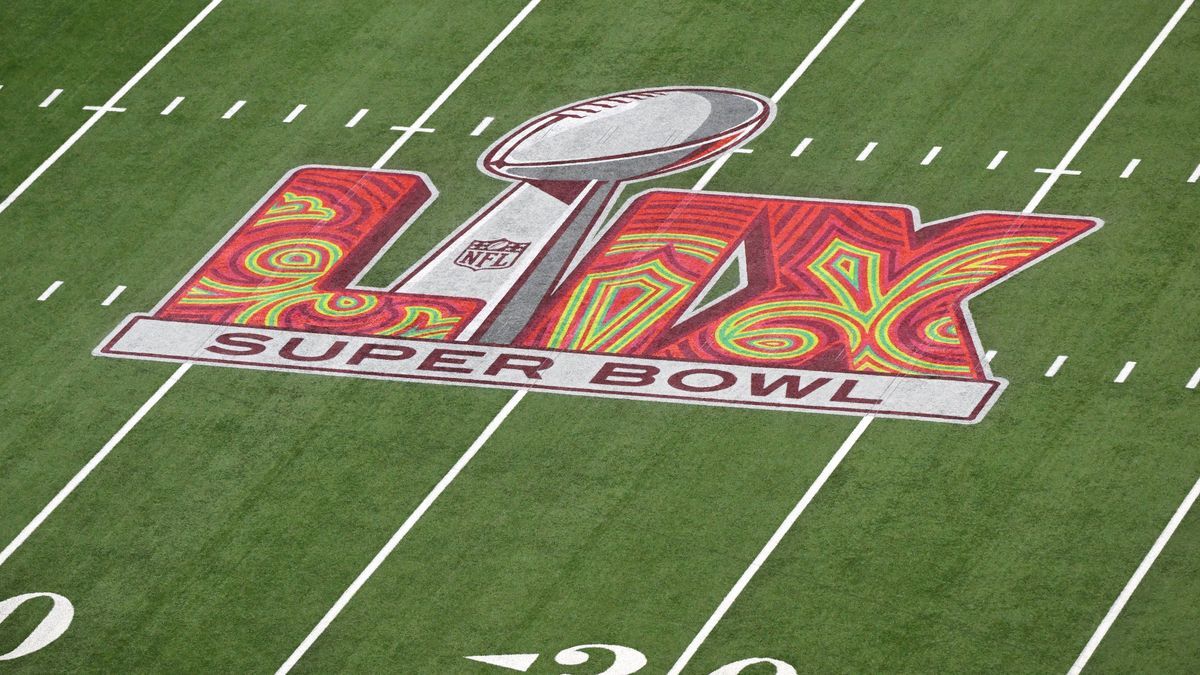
pixel 233 516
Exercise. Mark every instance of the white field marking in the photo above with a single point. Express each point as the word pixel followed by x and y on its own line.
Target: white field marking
pixel 711 171
pixel 518 662
pixel 112 102
pixel 479 442
pixel 407 526
pixel 996 160
pixel 1195 381
pixel 1195 175
pixel 729 599
pixel 1128 171
pixel 1054 367
pixel 102 108
pixel 291 117
pixel 1135 580
pixel 49 291
pixel 1108 104
pixel 802 147
pixel 172 106
pixel 233 109
pixel 116 293
pixel 1059 172
pixel 742 151
pixel 50 99
pixel 933 152
pixel 989 355
pixel 483 124
pixel 462 77
pixel 866 152
pixel 92 463
pixel 413 130
pixel 1126 370
pixel 816 50
pixel 362 112
pixel 780 533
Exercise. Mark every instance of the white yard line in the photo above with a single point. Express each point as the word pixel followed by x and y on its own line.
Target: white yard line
pixel 50 99
pixel 111 103
pixel 1194 381
pixel 462 77
pixel 816 50
pixel 866 152
pixel 865 422
pixel 996 160
pixel 989 355
pixel 291 117
pixel 233 110
pixel 92 464
pixel 172 106
pixel 483 124
pixel 1119 604
pixel 1126 371
pixel 1195 175
pixel 116 293
pixel 49 291
pixel 1056 366
pixel 1128 171
pixel 802 147
pixel 933 152
pixel 396 538
pixel 362 112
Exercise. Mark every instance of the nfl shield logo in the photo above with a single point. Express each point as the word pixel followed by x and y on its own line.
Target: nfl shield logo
pixel 494 254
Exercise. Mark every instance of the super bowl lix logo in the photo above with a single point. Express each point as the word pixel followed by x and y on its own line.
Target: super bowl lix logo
pixel 682 296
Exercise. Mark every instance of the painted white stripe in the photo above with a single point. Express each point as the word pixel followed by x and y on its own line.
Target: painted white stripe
pixel 1195 175
pixel 933 152
pixel 1115 610
pixel 996 160
pixel 233 109
pixel 49 291
pixel 172 106
pixel 1108 104
pixel 483 124
pixel 102 108
pixel 1195 381
pixel 711 171
pixel 50 99
pixel 116 293
pixel 1125 372
pixel 772 543
pixel 816 50
pixel 742 151
pixel 405 528
pixel 1054 367
pixel 357 117
pixel 291 117
pixel 92 464
pixel 462 77
pixel 112 102
pixel 989 355
pixel 1130 167
pixel 802 147
pixel 866 152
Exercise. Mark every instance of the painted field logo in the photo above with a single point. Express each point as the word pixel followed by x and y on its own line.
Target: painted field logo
pixel 496 254
pixel 700 297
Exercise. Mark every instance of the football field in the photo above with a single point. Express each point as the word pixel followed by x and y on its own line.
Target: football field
pixel 189 517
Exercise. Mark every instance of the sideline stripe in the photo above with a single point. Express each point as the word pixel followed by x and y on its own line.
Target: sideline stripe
pixel 483 124
pixel 50 99
pixel 933 152
pixel 865 422
pixel 49 291
pixel 409 523
pixel 802 147
pixel 462 77
pixel 233 109
pixel 1054 367
pixel 93 463
pixel 116 293
pixel 294 114
pixel 1195 381
pixel 1135 580
pixel 1125 371
pixel 172 106
pixel 362 112
pixel 996 160
pixel 866 152
pixel 1128 171
pixel 111 103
